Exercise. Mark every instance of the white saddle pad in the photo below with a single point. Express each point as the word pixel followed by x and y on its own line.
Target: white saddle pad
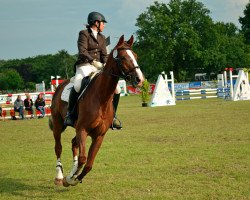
pixel 66 91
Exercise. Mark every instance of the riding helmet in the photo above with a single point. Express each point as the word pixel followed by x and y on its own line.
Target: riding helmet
pixel 95 16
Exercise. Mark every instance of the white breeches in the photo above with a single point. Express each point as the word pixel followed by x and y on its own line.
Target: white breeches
pixel 81 72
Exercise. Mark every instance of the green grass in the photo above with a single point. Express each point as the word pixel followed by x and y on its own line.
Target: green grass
pixel 198 149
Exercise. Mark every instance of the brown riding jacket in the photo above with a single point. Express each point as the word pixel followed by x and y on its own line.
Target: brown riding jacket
pixel 90 48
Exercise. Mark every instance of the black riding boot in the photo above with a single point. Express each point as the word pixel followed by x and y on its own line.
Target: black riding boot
pixel 70 118
pixel 116 122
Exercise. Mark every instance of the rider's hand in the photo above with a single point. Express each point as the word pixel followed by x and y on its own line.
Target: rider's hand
pixel 97 64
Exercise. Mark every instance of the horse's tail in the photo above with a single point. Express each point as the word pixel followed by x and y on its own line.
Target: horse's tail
pixel 51 123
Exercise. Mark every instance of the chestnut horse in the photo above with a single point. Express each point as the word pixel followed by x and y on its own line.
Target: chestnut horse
pixel 94 109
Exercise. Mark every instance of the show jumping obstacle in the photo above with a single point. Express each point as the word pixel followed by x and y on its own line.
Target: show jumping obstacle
pixel 196 94
pixel 230 87
pixel 238 85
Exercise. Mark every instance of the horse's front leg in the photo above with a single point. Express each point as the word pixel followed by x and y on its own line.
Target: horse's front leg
pixel 93 150
pixel 75 147
pixel 59 173
pixel 79 141
pixel 58 150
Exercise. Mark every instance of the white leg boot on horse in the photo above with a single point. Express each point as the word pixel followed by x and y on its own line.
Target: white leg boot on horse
pixel 59 173
pixel 78 162
pixel 71 179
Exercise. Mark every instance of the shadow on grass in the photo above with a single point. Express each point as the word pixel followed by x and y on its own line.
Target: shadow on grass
pixel 19 189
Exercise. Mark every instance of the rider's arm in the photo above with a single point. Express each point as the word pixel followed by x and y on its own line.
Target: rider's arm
pixel 83 47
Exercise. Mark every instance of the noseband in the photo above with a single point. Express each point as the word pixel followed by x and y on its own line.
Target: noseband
pixel 123 74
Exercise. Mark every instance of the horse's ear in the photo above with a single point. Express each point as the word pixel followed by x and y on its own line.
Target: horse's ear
pixel 121 41
pixel 131 41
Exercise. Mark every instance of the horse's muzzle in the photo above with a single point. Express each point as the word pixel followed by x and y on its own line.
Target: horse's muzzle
pixel 135 81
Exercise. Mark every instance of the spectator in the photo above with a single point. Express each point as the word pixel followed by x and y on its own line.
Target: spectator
pixel 40 104
pixel 28 103
pixel 18 107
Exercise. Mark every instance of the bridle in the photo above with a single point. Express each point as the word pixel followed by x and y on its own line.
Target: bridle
pixel 122 73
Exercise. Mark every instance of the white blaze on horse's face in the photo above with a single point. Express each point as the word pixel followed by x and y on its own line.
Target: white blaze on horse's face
pixel 138 71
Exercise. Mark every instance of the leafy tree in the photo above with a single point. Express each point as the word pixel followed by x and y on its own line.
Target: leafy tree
pixel 228 49
pixel 40 68
pixel 169 37
pixel 30 86
pixel 66 63
pixel 11 80
pixel 25 71
pixel 245 23
pixel 182 37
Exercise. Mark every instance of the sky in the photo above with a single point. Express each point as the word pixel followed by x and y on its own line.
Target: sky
pixel 38 27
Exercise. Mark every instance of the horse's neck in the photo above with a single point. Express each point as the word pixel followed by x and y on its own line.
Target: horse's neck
pixel 107 82
pixel 107 86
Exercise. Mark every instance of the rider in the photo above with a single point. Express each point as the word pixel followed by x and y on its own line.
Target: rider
pixel 92 55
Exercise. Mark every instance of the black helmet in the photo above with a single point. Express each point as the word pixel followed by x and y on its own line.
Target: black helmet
pixel 95 16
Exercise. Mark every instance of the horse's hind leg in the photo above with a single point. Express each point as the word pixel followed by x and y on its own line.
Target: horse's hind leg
pixel 58 128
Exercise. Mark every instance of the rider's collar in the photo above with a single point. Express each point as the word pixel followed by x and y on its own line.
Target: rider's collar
pixel 94 32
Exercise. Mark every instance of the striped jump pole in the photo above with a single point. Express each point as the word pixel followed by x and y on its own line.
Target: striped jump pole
pixel 199 93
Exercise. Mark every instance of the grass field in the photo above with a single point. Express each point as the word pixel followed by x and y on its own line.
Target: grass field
pixel 198 149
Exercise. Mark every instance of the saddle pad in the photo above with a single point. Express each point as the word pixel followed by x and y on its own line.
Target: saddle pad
pixel 66 92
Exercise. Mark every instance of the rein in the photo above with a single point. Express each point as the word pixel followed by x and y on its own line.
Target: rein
pixel 123 74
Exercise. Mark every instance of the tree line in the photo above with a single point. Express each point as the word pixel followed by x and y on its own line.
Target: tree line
pixel 179 36
pixel 23 74
pixel 182 37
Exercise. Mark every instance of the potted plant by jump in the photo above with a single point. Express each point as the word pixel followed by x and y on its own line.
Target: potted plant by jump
pixel 145 97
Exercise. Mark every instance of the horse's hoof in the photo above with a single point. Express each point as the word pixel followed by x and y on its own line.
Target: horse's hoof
pixel 72 181
pixel 65 183
pixel 58 182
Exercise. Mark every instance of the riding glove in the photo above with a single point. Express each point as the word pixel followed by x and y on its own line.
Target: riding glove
pixel 97 64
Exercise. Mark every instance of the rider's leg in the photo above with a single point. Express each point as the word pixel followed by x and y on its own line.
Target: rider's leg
pixel 70 119
pixel 116 122
pixel 81 73
pixel 74 94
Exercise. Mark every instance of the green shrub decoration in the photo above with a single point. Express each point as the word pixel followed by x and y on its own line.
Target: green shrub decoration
pixel 145 97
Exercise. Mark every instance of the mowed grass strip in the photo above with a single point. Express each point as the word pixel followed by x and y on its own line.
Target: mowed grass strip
pixel 198 149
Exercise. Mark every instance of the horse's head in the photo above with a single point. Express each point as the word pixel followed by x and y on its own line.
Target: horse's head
pixel 126 61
